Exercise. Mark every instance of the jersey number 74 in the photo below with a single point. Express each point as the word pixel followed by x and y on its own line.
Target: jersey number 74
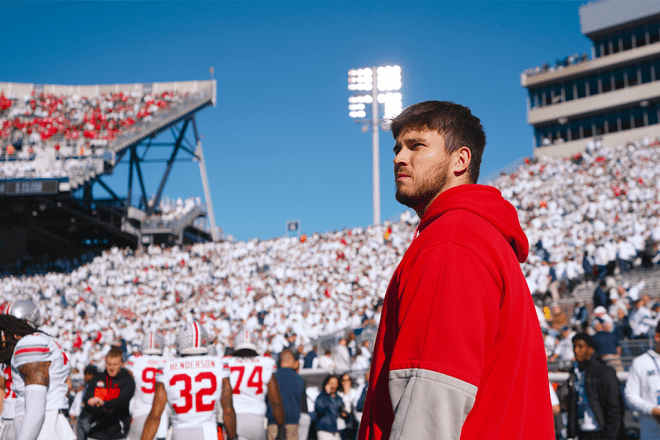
pixel 254 381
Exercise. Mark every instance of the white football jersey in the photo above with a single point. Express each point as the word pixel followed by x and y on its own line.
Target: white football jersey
pixel 9 402
pixel 144 369
pixel 193 385
pixel 249 378
pixel 40 347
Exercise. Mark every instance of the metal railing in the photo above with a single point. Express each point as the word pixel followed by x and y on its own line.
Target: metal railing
pixel 159 121
pixel 175 224
pixel 330 341
pixel 630 349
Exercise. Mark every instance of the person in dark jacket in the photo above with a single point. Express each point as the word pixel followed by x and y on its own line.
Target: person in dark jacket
pixel 329 407
pixel 292 390
pixel 595 405
pixel 649 252
pixel 580 315
pixel 309 357
pixel 588 266
pixel 601 298
pixel 107 397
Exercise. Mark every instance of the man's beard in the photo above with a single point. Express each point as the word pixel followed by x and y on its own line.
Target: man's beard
pixel 430 186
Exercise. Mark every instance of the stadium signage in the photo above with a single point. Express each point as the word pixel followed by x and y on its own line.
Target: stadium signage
pixel 28 187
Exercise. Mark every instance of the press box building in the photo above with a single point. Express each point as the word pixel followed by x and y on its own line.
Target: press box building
pixel 614 96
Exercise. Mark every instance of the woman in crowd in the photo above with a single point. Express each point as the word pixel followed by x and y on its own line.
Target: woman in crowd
pixel 348 395
pixel 329 407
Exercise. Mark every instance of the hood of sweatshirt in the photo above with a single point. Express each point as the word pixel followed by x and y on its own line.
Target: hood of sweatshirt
pixel 486 202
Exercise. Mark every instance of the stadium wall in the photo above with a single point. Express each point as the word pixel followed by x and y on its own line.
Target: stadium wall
pixel 600 64
pixel 593 104
pixel 612 140
pixel 13 243
pixel 604 16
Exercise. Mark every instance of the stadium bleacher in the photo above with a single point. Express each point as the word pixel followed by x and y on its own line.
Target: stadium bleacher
pixel 327 283
pixel 67 131
pixel 57 142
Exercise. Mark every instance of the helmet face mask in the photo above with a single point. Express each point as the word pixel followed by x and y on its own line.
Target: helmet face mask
pixel 192 340
pixel 23 309
pixel 153 343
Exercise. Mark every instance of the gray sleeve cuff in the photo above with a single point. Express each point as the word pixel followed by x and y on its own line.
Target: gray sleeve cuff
pixel 428 404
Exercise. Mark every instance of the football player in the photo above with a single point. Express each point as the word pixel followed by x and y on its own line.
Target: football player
pixel 143 367
pixel 252 378
pixel 191 384
pixel 40 379
pixel 26 310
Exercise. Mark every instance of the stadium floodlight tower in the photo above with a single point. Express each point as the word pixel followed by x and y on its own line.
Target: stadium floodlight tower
pixel 387 80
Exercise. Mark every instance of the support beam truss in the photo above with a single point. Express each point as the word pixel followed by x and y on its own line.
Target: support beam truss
pixel 137 155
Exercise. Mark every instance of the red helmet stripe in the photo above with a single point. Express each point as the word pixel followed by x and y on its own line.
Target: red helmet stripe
pixel 196 342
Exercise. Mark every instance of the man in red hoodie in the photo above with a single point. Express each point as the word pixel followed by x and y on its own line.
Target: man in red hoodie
pixel 459 351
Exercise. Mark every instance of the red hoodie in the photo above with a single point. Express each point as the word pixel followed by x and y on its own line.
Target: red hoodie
pixel 459 351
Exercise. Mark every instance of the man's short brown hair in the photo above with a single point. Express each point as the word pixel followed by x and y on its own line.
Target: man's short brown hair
pixel 115 352
pixel 456 123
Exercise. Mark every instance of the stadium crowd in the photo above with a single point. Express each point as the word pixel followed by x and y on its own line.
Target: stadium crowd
pixel 223 285
pixel 589 219
pixel 44 117
pixel 584 217
pixel 38 129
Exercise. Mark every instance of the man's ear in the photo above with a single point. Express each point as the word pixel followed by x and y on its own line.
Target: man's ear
pixel 461 159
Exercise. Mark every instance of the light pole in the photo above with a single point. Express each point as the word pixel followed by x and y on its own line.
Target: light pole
pixel 387 81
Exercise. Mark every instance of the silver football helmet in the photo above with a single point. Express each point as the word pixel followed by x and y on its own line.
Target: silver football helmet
pixel 24 309
pixel 245 340
pixel 192 339
pixel 153 343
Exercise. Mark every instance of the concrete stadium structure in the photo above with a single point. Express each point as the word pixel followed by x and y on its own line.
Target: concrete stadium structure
pixel 614 96
pixel 51 207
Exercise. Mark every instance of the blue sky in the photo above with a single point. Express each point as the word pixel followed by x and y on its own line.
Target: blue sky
pixel 279 145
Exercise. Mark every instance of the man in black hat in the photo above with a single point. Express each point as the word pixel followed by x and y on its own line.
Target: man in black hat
pixel 595 407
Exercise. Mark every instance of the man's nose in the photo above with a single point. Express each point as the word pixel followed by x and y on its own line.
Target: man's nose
pixel 401 158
